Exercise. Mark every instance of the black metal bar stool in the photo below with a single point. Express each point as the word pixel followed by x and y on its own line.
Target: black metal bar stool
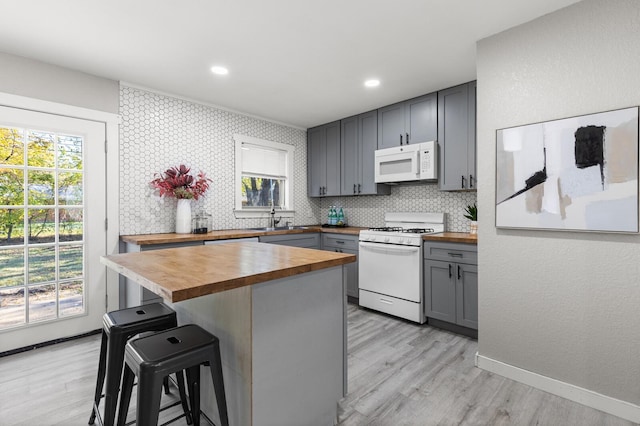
pixel 117 328
pixel 152 358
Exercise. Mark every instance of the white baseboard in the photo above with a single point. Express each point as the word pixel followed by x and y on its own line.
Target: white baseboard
pixel 583 396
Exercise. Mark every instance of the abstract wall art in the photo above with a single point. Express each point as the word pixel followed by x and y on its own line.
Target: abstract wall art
pixel 574 174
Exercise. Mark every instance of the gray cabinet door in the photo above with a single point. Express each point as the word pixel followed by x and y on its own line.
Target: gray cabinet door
pixel 457 137
pixel 391 126
pixel 453 137
pixel 349 159
pixel 440 290
pixel 471 147
pixel 333 158
pixel 323 163
pixel 352 274
pixel 421 119
pixel 467 295
pixel 367 145
pixel 317 161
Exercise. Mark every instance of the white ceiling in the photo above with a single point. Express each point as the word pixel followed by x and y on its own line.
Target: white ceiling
pixel 299 62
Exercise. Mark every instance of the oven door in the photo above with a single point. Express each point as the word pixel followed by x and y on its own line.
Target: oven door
pixel 390 269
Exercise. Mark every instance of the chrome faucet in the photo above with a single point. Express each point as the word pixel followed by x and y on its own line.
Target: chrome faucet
pixel 272 219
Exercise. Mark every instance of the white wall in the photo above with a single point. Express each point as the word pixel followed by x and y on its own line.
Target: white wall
pixel 564 305
pixel 39 80
pixel 159 132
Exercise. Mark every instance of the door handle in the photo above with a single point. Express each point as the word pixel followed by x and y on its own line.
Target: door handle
pixel 463 182
pixel 359 188
pixel 459 272
pixel 354 188
pixel 407 140
pixel 400 138
pixel 450 275
pixel 470 181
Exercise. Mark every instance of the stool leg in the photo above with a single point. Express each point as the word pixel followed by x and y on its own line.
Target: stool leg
pixel 193 383
pixel 102 365
pixel 183 396
pixel 115 360
pixel 215 365
pixel 149 395
pixel 165 385
pixel 125 394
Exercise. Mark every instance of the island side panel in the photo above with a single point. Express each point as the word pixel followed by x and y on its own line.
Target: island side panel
pixel 226 315
pixel 298 349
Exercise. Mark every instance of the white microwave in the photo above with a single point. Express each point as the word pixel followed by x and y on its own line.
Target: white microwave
pixel 407 163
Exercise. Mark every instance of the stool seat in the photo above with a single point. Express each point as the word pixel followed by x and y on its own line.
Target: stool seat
pixel 117 328
pixel 151 358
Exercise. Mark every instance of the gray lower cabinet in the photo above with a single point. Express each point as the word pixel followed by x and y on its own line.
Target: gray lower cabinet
pixel 305 240
pixel 345 244
pixel 457 137
pixel 358 143
pixel 133 294
pixel 411 121
pixel 323 160
pixel 451 283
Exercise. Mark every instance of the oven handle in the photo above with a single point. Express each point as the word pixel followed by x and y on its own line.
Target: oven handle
pixel 380 247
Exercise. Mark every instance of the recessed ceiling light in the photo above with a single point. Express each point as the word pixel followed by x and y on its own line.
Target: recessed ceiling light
pixel 372 83
pixel 219 70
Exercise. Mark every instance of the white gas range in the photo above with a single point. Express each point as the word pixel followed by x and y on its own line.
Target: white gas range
pixel 390 263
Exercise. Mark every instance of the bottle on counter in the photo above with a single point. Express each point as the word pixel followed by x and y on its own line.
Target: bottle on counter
pixel 330 216
pixel 340 221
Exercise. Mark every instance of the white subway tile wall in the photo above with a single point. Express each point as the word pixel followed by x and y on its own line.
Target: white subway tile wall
pixel 369 210
pixel 159 131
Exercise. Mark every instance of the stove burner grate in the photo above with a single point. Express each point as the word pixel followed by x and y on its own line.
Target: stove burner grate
pixel 387 229
pixel 419 231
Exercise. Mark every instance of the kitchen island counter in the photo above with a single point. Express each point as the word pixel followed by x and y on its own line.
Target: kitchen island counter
pixel 280 315
pixel 183 273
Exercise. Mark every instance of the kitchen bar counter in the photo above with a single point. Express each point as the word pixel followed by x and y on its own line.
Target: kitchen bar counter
pixel 184 273
pixel 227 234
pixel 280 315
pixel 452 237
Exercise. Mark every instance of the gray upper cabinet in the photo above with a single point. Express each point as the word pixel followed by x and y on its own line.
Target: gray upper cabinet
pixel 457 137
pixel 412 121
pixel 359 141
pixel 323 143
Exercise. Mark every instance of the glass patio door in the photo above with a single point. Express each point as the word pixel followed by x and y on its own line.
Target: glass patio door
pixel 52 226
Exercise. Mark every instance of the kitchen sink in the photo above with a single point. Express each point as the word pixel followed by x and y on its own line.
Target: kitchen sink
pixel 277 228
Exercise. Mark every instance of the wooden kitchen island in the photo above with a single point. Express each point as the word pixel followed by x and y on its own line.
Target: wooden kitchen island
pixel 280 315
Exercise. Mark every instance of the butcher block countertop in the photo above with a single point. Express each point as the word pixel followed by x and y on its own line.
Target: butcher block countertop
pixel 230 234
pixel 184 273
pixel 452 237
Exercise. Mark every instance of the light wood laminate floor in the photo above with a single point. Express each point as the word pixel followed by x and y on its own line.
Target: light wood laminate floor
pixel 400 373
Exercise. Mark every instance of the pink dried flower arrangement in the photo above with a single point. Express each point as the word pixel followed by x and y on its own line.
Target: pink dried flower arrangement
pixel 177 182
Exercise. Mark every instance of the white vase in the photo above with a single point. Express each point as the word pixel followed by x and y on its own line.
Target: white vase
pixel 183 216
pixel 473 227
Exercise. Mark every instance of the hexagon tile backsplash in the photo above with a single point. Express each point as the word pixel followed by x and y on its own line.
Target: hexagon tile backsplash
pixel 158 131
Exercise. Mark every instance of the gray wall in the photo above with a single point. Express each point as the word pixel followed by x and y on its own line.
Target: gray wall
pixel 39 80
pixel 564 305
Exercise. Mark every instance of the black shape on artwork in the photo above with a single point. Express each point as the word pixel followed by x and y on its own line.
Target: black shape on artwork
pixel 589 148
pixel 534 180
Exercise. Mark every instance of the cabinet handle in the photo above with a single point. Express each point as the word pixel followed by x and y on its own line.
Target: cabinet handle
pixel 339 242
pixel 400 138
pixel 470 181
pixel 454 254
pixel 354 188
pixel 324 190
pixel 458 271
pixel 359 188
pixel 450 271
pixel 407 140
pixel 462 182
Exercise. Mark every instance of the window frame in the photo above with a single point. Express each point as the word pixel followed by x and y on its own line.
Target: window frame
pixel 261 212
